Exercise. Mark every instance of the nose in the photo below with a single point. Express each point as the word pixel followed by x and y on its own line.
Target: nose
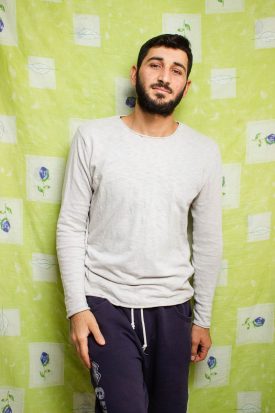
pixel 164 75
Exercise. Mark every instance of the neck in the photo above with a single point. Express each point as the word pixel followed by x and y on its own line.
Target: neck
pixel 151 125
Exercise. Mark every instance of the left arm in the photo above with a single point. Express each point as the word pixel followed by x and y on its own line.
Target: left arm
pixel 206 211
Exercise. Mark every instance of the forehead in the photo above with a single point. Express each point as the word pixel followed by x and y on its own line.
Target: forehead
pixel 167 54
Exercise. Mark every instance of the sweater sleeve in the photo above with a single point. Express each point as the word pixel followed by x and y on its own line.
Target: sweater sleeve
pixel 72 224
pixel 206 211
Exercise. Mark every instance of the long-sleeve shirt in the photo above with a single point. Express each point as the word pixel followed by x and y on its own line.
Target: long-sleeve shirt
pixel 122 229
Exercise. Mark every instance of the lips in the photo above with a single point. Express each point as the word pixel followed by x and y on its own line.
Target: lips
pixel 162 88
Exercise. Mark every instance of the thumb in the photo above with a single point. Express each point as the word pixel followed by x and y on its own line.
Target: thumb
pixel 95 330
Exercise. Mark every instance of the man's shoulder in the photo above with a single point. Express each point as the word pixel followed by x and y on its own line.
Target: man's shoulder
pixel 98 126
pixel 198 139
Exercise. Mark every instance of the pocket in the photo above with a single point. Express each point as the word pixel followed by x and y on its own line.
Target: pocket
pixel 95 303
pixel 184 311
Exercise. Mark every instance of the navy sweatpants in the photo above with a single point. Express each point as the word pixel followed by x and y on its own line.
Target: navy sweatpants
pixel 144 365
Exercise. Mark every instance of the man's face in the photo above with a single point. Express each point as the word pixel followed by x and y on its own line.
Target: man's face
pixel 161 80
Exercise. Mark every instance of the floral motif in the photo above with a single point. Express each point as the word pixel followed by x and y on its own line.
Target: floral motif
pixel 257 322
pixel 212 364
pixel 45 360
pixel 184 28
pixel 268 139
pixel 130 101
pixel 44 175
pixel 7 401
pixel 1 21
pixel 4 222
pixel 221 1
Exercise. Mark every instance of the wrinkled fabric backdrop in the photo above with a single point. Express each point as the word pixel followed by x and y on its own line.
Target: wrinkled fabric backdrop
pixel 65 62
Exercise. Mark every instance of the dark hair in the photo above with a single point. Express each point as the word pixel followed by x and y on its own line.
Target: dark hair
pixel 172 41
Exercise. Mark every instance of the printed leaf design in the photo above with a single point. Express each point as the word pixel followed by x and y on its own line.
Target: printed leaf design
pixel 2 7
pixel 185 27
pixel 7 407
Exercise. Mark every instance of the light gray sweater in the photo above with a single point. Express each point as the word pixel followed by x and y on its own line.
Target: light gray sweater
pixel 122 228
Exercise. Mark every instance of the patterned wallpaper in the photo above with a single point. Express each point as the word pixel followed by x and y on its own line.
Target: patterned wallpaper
pixel 64 62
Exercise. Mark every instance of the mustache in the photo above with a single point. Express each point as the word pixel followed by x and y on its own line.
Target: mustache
pixel 162 85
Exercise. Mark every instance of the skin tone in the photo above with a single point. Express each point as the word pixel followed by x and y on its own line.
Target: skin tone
pixel 160 65
pixel 168 68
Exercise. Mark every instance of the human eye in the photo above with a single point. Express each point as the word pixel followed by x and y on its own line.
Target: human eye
pixel 177 71
pixel 154 65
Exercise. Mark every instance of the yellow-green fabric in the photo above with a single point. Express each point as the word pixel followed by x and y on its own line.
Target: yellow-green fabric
pixel 64 62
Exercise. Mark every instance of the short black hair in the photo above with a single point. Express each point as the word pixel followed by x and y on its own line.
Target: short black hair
pixel 172 41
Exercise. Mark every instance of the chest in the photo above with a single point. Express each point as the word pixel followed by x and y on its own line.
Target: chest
pixel 147 173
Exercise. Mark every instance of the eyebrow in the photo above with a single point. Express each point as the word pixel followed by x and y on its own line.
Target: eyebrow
pixel 161 60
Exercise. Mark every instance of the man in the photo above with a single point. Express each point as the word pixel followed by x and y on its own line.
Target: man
pixel 122 240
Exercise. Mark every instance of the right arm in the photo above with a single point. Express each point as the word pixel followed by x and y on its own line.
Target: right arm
pixel 71 243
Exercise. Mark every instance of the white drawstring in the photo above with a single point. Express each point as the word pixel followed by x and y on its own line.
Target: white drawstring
pixel 143 326
pixel 144 331
pixel 132 319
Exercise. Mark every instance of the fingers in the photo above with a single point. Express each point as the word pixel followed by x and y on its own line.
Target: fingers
pixel 82 325
pixel 95 330
pixel 202 353
pixel 81 345
pixel 201 343
pixel 84 353
pixel 194 350
pixel 198 352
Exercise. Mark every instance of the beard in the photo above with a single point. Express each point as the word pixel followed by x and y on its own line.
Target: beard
pixel 156 106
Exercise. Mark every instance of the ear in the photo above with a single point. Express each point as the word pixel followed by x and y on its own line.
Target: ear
pixel 188 84
pixel 133 75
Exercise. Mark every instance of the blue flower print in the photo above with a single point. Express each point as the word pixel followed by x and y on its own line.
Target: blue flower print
pixel 45 360
pixel 4 222
pixel 212 364
pixel 259 322
pixel 44 175
pixel 130 101
pixel 7 409
pixel 270 139
pixel 5 225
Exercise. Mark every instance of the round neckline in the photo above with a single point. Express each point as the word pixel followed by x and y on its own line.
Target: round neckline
pixel 142 136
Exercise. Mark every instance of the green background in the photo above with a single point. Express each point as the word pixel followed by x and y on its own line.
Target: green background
pixel 85 89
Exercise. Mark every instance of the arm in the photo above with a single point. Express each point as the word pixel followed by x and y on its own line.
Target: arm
pixel 71 243
pixel 206 210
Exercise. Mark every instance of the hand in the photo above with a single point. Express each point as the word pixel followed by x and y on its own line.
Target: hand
pixel 201 343
pixel 82 324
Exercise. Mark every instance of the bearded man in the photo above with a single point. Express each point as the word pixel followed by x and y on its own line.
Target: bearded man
pixel 122 241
